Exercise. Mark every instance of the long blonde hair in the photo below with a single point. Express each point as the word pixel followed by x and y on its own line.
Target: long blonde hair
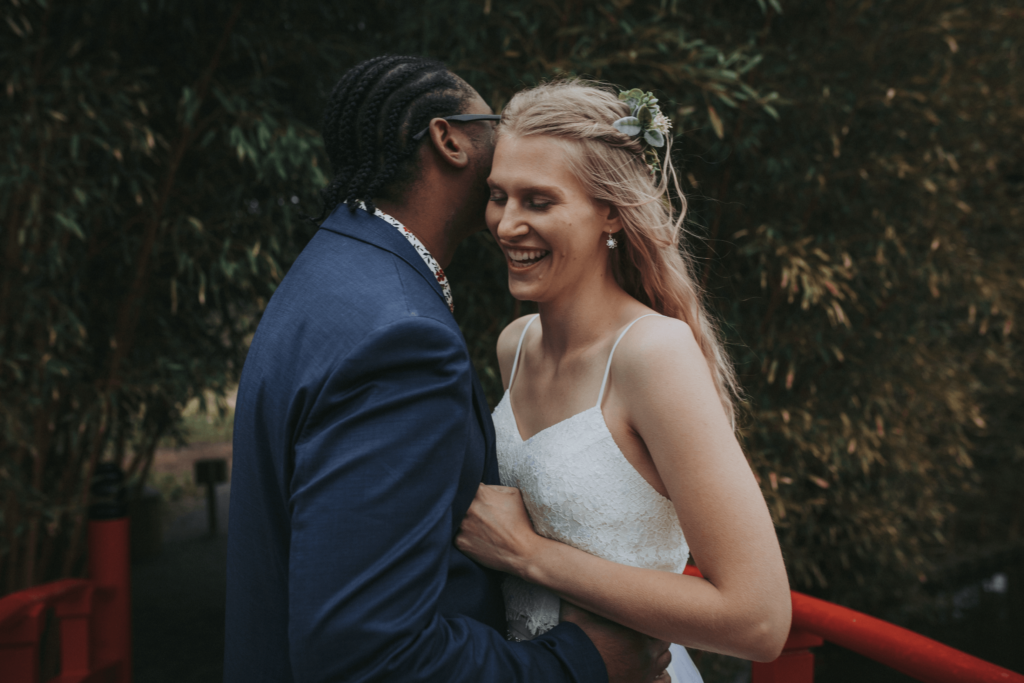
pixel 651 264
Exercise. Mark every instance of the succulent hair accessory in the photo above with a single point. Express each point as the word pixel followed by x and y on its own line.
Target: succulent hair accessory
pixel 646 121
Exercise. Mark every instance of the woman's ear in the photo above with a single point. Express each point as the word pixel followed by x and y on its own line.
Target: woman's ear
pixel 611 216
pixel 451 146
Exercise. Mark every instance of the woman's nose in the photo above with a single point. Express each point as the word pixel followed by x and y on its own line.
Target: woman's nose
pixel 512 223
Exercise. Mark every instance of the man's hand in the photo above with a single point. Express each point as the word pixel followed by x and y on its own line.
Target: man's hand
pixel 629 656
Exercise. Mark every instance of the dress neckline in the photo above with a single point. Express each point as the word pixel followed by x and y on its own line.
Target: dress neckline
pixel 520 441
pixel 600 396
pixel 507 398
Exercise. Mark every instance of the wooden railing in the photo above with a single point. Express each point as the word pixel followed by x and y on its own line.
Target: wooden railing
pixel 93 615
pixel 815 621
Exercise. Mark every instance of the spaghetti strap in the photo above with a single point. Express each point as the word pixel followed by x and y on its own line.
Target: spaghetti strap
pixel 515 363
pixel 607 369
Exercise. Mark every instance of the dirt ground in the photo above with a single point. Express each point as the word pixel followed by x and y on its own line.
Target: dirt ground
pixel 178 594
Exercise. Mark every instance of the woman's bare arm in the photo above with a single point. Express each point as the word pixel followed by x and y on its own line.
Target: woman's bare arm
pixel 742 606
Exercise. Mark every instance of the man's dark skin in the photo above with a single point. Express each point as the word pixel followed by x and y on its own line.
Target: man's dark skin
pixel 442 207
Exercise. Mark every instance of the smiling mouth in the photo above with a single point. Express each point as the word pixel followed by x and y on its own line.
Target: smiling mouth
pixel 524 258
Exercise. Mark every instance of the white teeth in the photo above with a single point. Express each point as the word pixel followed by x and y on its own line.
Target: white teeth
pixel 526 255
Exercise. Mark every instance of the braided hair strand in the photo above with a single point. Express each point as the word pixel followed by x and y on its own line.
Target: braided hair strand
pixel 369 121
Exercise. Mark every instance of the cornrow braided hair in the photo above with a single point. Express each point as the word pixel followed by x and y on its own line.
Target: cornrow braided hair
pixel 371 116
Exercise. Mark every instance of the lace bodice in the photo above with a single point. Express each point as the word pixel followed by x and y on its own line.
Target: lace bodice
pixel 580 489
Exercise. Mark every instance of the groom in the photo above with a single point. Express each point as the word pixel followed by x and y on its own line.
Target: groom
pixel 361 429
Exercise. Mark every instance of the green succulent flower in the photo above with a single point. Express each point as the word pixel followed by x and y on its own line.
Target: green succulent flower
pixel 645 118
pixel 628 125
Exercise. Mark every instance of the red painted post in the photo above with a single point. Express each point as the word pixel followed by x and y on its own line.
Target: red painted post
pixel 109 568
pixel 110 571
pixel 19 644
pixel 23 619
pixel 75 615
pixel 794 665
pixel 94 614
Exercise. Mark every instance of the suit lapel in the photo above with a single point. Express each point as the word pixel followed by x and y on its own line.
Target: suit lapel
pixel 483 415
pixel 372 230
pixel 368 228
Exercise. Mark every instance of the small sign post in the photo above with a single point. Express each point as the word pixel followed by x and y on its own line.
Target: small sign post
pixel 210 472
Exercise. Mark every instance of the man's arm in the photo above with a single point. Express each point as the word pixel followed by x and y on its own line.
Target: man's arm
pixel 376 469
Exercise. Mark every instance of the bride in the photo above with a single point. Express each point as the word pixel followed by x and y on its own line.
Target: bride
pixel 615 435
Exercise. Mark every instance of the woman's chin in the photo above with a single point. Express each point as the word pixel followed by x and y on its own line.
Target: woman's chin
pixel 520 293
pixel 524 290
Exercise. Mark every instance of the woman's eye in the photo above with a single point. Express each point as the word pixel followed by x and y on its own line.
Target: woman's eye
pixel 538 204
pixel 496 198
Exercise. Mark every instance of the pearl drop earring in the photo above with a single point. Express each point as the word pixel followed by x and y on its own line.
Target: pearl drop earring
pixel 611 242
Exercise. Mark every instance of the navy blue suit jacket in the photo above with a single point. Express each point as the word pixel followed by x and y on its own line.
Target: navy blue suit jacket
pixel 361 435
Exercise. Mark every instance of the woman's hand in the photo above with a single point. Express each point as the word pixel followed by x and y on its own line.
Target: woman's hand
pixel 497 532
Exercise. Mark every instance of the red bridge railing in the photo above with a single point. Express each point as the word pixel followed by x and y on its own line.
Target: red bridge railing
pixel 94 618
pixel 93 615
pixel 815 621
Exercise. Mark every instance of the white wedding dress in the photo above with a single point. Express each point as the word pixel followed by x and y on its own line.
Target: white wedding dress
pixel 580 490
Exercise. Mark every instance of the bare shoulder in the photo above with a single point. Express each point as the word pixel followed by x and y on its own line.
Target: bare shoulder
pixel 508 340
pixel 668 392
pixel 656 349
pixel 655 339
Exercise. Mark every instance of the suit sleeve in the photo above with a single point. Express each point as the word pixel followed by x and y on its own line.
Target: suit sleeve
pixel 375 472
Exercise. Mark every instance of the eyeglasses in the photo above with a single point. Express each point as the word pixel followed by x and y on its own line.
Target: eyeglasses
pixel 462 118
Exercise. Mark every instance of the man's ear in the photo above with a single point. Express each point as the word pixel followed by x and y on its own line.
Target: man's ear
pixel 449 144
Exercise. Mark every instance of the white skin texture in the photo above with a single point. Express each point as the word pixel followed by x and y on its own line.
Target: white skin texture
pixel 661 407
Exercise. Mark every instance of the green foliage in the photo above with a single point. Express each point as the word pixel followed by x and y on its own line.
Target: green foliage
pixel 149 194
pixel 854 190
pixel 866 253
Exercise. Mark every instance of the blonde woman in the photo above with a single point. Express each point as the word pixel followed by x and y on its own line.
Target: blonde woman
pixel 615 435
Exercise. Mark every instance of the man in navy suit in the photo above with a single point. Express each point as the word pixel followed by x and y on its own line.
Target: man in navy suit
pixel 362 432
